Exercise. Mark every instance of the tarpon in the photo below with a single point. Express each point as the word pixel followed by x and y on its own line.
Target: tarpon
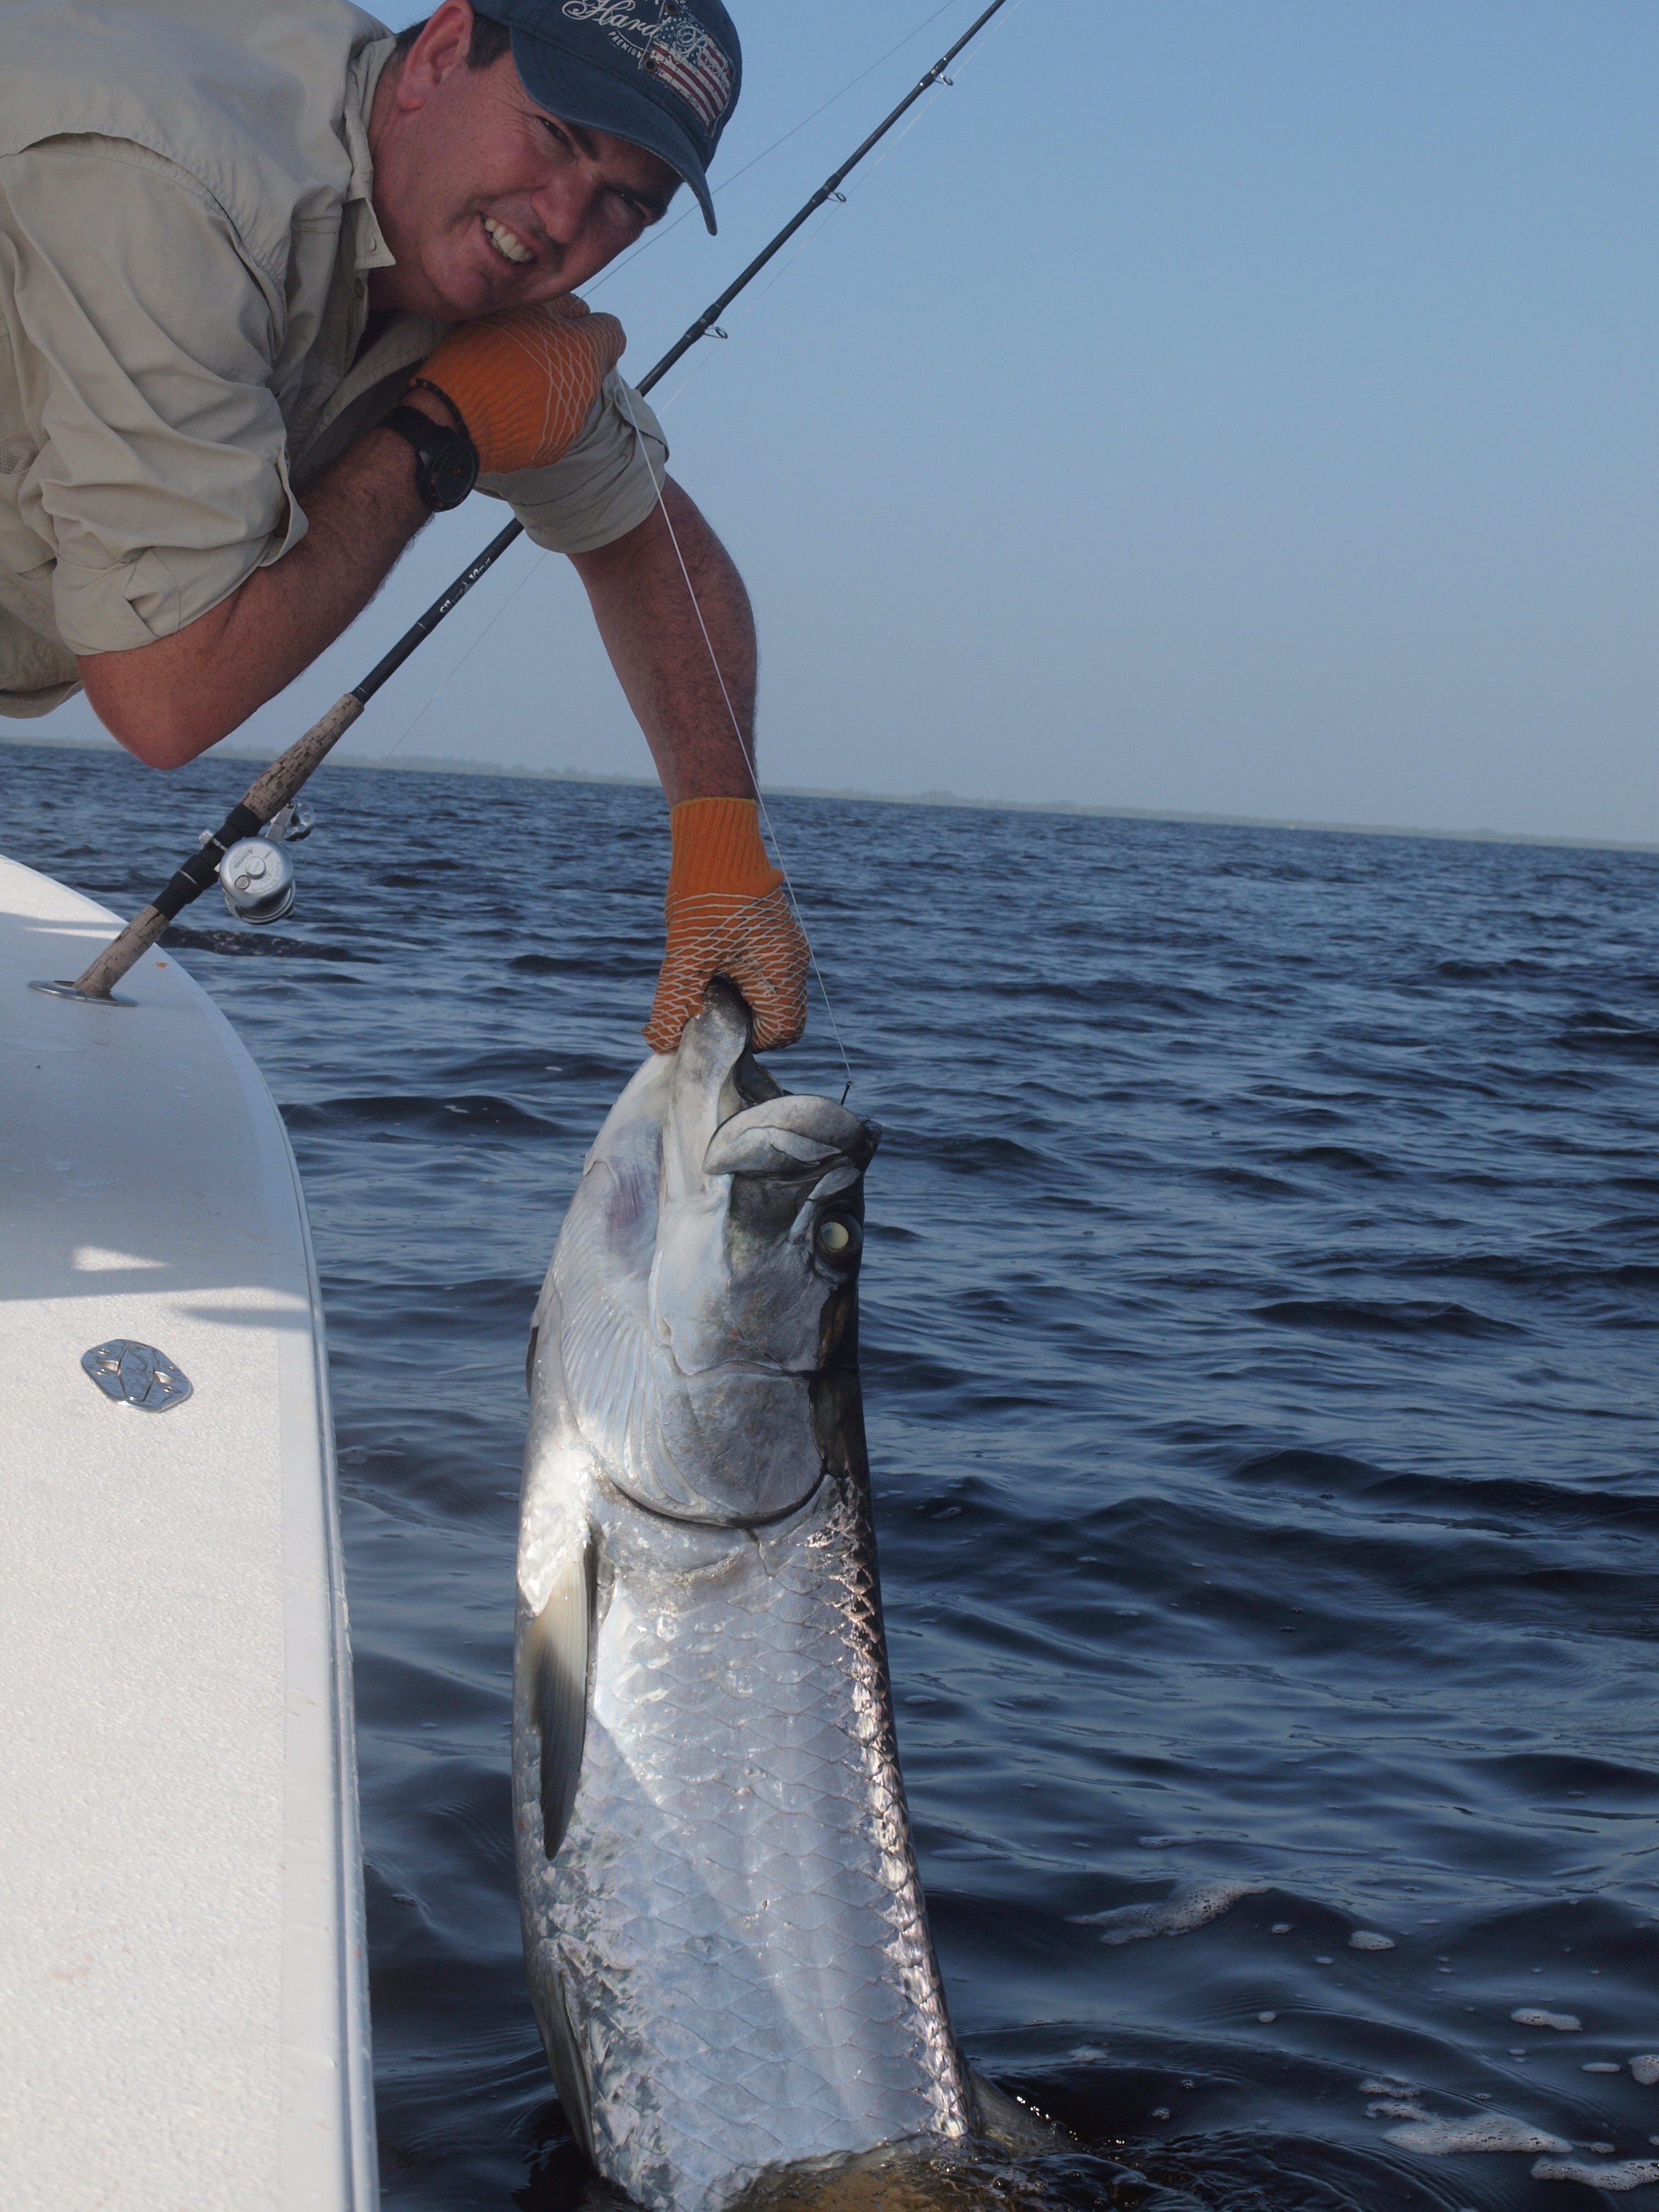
pixel 727 1946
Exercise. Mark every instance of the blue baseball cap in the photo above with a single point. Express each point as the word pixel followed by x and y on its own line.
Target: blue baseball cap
pixel 663 74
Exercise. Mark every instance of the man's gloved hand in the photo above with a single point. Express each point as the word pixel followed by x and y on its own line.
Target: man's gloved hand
pixel 728 914
pixel 523 381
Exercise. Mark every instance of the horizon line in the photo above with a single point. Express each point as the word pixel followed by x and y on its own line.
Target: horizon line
pixel 439 764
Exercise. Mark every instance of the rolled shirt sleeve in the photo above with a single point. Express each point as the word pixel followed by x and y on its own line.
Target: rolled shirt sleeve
pixel 604 486
pixel 149 337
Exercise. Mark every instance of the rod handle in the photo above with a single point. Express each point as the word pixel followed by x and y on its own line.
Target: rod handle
pixel 113 962
pixel 289 774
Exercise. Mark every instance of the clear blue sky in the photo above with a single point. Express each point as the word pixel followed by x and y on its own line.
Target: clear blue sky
pixel 1245 408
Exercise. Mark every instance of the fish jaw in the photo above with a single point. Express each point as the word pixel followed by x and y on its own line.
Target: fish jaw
pixel 700 1307
pixel 738 1279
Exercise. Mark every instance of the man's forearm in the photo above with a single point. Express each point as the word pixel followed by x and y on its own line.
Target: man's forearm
pixel 658 648
pixel 168 702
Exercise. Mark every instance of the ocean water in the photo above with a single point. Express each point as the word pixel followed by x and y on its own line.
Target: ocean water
pixel 1259 1321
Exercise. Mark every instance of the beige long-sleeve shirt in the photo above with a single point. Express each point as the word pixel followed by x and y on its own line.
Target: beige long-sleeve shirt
pixel 186 235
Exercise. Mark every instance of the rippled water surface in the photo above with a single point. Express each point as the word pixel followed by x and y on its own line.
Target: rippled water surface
pixel 1259 1334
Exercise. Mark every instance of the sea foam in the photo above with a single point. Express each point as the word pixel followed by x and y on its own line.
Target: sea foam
pixel 1630 2174
pixel 1480 2131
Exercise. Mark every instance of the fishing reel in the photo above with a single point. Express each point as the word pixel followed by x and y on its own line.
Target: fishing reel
pixel 256 875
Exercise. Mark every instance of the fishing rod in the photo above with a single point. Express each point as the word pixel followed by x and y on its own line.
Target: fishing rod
pixel 246 854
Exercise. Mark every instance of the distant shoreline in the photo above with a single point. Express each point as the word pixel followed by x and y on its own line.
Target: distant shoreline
pixel 429 764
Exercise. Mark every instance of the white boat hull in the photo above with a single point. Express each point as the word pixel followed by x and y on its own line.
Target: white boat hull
pixel 184 2013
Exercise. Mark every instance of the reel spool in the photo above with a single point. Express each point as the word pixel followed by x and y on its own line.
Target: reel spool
pixel 256 875
pixel 257 879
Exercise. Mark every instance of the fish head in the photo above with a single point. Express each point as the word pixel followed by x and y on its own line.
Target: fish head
pixel 760 1226
pixel 705 1283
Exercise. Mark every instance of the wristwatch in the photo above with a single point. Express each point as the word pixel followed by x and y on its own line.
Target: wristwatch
pixel 447 460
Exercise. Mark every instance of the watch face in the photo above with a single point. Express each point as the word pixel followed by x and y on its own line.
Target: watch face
pixel 452 472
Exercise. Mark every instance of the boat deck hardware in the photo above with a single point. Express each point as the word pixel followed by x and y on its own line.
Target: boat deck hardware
pixel 134 1374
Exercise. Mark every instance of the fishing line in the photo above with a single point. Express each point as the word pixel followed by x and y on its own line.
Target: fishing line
pixel 810 237
pixel 702 360
pixel 657 236
pixel 849 86
pixel 708 643
pixel 944 84
pixel 737 728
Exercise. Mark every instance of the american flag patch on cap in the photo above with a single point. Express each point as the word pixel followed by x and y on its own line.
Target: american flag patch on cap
pixel 688 59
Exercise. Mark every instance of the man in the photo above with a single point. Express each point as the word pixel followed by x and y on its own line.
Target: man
pixel 276 285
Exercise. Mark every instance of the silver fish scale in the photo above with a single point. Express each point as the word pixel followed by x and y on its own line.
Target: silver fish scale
pixel 734 1916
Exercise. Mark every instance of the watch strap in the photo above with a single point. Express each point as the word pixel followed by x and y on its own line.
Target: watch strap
pixel 425 384
pixel 433 446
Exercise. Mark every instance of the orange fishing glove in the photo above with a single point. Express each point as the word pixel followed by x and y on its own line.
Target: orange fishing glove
pixel 523 381
pixel 728 916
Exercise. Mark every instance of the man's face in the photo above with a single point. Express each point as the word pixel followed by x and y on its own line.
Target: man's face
pixel 486 200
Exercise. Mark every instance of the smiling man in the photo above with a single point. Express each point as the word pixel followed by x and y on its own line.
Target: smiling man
pixel 277 286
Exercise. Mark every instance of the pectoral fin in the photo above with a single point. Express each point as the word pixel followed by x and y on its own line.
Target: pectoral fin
pixel 558 1641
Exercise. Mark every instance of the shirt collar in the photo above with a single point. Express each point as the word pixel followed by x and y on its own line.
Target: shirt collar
pixel 361 79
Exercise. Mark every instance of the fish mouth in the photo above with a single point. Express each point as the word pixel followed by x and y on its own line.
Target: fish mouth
pixel 751 1084
pixel 717 1078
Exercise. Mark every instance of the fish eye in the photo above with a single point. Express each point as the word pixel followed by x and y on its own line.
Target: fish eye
pixel 838 1238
